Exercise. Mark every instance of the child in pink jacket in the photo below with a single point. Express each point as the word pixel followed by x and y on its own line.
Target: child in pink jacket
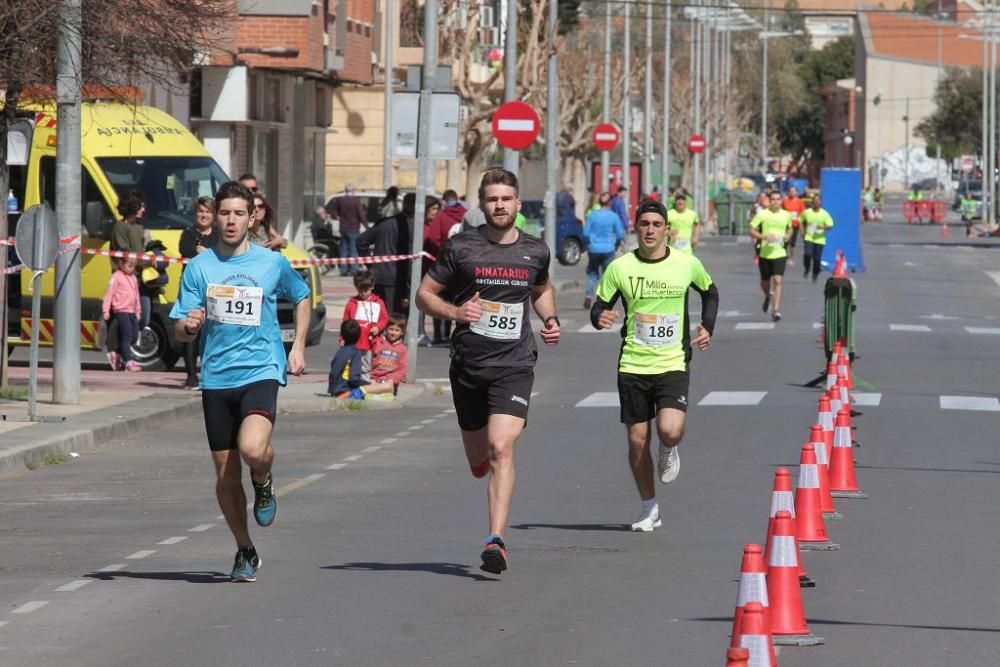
pixel 121 302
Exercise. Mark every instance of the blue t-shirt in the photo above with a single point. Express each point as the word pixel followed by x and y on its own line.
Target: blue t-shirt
pixel 241 339
pixel 603 231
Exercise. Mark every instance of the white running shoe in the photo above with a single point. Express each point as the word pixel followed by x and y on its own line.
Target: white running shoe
pixel 669 464
pixel 647 521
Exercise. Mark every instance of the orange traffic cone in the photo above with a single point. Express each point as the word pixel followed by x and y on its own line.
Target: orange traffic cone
pixel 843 391
pixel 782 498
pixel 755 636
pixel 831 373
pixel 834 396
pixel 844 369
pixel 944 231
pixel 788 622
pixel 824 417
pixel 809 527
pixel 737 657
pixel 842 481
pixel 818 441
pixel 753 588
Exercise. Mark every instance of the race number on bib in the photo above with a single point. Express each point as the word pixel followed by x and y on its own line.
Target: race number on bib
pixel 499 320
pixel 812 229
pixel 235 304
pixel 653 329
pixel 682 244
pixel 774 240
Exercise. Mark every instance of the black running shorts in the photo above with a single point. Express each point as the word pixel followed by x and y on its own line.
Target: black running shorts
pixel 225 410
pixel 642 396
pixel 771 267
pixel 481 391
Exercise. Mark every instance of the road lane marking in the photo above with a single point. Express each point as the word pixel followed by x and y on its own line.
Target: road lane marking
pixel 370 450
pixel 733 398
pixel 600 399
pixel 995 275
pixel 896 245
pixel 299 483
pixel 869 399
pixel 976 403
pixel 450 411
pixel 173 540
pixel 73 585
pixel 201 528
pixel 354 457
pixel 921 328
pixel 909 263
pixel 587 328
pixel 389 441
pixel 428 421
pixel 939 316
pixel 983 331
pixel 138 555
pixel 754 326
pixel 336 466
pixel 817 325
pixel 29 607
pixel 401 434
pixel 416 427
pixel 117 567
pixel 732 313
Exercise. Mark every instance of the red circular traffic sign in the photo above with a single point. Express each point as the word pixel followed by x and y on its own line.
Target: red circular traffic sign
pixel 696 143
pixel 515 125
pixel 606 136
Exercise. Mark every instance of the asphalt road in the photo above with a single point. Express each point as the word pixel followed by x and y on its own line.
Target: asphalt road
pixel 373 558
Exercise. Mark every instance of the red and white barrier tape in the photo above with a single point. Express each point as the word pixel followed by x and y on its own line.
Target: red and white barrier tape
pixel 22 267
pixel 11 241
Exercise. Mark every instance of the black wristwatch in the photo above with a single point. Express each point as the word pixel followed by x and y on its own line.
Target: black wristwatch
pixel 552 317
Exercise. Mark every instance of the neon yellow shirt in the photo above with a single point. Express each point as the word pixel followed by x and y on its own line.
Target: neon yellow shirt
pixel 816 222
pixel 773 226
pixel 683 222
pixel 656 333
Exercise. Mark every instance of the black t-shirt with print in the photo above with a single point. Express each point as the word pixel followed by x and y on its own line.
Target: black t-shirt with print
pixel 504 275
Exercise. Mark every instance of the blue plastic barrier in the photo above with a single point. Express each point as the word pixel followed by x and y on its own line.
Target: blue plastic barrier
pixel 841 192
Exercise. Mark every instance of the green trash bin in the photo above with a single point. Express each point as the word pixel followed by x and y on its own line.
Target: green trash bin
pixel 840 304
pixel 732 208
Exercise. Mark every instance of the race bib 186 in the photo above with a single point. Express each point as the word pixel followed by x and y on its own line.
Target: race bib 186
pixel 499 320
pixel 653 329
pixel 235 304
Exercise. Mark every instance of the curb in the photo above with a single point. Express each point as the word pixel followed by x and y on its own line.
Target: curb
pixel 317 402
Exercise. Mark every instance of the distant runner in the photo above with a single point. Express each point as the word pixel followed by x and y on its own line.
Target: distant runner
pixel 683 226
pixel 817 221
pixel 772 227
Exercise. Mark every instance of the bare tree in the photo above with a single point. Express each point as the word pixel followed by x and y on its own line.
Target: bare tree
pixel 125 43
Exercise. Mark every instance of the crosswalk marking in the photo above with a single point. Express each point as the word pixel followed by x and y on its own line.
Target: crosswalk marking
pixel 995 275
pixel 600 399
pixel 869 399
pixel 984 331
pixel 733 398
pixel 977 403
pixel 923 328
pixel 754 326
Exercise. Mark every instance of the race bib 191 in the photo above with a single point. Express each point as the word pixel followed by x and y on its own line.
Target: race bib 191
pixel 502 321
pixel 235 304
pixel 653 329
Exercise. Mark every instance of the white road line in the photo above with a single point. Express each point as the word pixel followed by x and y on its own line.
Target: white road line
pixel 29 607
pixel 817 325
pixel 354 457
pixel 450 411
pixel 415 427
pixel 896 245
pixel 733 398
pixel 141 554
pixel 939 316
pixel 201 528
pixel 977 403
pixel 73 585
pixel 909 263
pixel 444 414
pixel 921 328
pixel 315 477
pixel 867 399
pixel 995 275
pixel 117 567
pixel 587 328
pixel 389 441
pixel 983 331
pixel 401 434
pixel 173 540
pixel 600 399
pixel 336 466
pixel 428 421
pixel 929 246
pixel 754 326
pixel 370 450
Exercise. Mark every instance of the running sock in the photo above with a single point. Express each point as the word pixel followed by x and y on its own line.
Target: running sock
pixel 480 469
pixel 649 505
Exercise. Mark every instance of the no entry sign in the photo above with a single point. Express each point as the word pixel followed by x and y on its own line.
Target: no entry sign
pixel 696 144
pixel 606 136
pixel 515 125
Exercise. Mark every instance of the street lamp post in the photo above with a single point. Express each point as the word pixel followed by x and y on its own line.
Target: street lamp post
pixel 606 111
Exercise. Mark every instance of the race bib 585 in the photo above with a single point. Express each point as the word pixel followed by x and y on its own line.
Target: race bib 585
pixel 499 320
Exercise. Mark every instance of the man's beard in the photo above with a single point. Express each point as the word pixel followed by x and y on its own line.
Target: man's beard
pixel 511 219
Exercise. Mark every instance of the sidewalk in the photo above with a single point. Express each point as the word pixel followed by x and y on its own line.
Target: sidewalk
pixel 117 406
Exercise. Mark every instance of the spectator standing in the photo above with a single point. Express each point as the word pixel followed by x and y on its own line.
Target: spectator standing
pixel 367 310
pixel 565 203
pixel 452 212
pixel 392 236
pixel 603 232
pixel 349 211
pixel 128 235
pixel 198 238
pixel 619 205
pixel 249 181
pixel 262 231
pixel 389 206
pixel 121 302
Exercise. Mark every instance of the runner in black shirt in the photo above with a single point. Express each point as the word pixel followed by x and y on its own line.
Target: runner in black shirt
pixel 492 274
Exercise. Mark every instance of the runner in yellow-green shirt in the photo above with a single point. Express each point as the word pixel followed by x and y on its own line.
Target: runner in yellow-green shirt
pixel 683 226
pixel 653 376
pixel 772 227
pixel 816 221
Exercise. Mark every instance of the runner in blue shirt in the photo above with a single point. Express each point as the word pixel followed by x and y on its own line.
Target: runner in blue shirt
pixel 229 294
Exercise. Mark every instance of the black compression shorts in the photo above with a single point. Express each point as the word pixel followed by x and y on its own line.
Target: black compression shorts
pixel 225 410
pixel 481 391
pixel 642 396
pixel 771 267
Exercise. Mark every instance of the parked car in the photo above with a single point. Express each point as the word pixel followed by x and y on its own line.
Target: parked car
pixel 570 244
pixel 967 188
pixel 370 199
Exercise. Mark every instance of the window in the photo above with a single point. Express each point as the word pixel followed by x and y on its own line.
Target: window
pixel 88 189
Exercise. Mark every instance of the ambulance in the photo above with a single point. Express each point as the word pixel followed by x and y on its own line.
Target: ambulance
pixel 124 147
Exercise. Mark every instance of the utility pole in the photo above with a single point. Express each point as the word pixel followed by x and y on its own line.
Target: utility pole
pixel 552 133
pixel 667 66
pixel 763 115
pixel 66 359
pixel 990 178
pixel 387 141
pixel 647 113
pixel 606 109
pixel 627 114
pixel 425 186
pixel 984 151
pixel 696 37
pixel 511 160
pixel 906 129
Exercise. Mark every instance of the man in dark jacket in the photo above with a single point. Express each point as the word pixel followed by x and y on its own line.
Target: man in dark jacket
pixel 438 231
pixel 349 211
pixel 392 236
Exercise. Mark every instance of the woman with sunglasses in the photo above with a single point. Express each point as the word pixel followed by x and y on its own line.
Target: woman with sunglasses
pixel 262 232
